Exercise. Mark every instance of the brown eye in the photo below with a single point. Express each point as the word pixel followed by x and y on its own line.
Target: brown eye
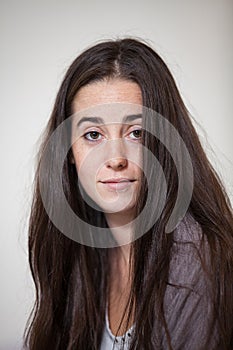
pixel 92 136
pixel 137 134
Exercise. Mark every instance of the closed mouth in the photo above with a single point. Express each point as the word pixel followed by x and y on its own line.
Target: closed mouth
pixel 118 180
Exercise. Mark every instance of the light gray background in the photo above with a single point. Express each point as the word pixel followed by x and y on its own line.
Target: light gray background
pixel 39 39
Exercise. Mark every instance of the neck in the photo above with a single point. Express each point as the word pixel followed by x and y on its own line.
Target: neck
pixel 120 275
pixel 121 226
pixel 120 218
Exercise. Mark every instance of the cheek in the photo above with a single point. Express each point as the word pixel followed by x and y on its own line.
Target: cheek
pixel 86 165
pixel 87 169
pixel 79 154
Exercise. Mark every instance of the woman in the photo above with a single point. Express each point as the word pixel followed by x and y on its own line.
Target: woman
pixel 150 263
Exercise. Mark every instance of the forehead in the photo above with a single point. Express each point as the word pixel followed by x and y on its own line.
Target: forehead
pixel 107 91
pixel 112 100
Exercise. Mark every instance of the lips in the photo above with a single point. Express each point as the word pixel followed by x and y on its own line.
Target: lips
pixel 117 180
pixel 118 184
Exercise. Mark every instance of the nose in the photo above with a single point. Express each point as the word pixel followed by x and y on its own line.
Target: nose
pixel 116 155
pixel 117 163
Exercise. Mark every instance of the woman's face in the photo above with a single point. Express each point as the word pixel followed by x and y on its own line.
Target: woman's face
pixel 106 137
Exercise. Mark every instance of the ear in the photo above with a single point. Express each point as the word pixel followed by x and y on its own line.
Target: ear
pixel 72 160
pixel 71 157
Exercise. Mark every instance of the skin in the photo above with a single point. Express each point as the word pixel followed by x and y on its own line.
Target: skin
pixel 109 150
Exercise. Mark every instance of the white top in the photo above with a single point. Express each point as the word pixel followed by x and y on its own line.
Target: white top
pixel 108 338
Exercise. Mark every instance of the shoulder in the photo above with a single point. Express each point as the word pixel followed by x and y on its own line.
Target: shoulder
pixel 187 302
pixel 188 230
pixel 189 253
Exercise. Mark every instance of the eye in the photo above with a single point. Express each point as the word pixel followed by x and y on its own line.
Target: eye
pixel 136 134
pixel 92 136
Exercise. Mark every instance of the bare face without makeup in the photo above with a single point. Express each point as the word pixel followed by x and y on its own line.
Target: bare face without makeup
pixel 106 137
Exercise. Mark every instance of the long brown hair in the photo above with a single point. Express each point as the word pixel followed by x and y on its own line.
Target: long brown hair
pixel 71 279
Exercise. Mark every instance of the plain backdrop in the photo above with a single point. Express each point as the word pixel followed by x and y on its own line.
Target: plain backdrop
pixel 39 39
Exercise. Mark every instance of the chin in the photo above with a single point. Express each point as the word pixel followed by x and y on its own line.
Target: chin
pixel 119 208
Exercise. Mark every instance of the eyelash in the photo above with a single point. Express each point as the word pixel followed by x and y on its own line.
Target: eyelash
pixel 96 140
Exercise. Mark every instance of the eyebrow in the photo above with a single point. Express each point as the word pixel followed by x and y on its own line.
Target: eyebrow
pixel 98 120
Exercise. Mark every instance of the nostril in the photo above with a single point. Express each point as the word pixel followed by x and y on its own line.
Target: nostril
pixel 117 163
